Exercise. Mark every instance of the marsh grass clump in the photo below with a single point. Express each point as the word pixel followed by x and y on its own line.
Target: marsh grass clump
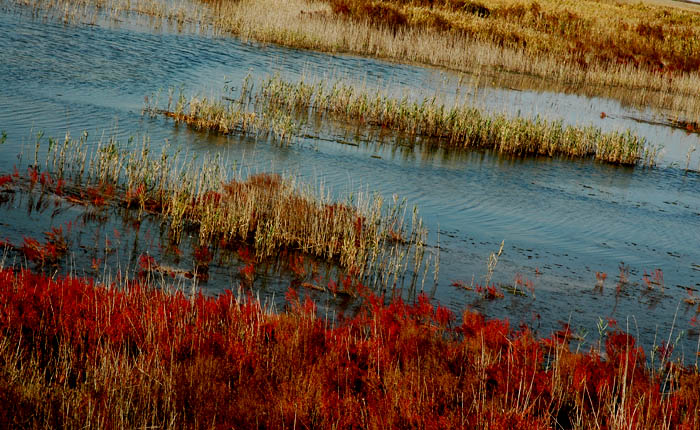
pixel 224 117
pixel 269 212
pixel 644 37
pixel 456 127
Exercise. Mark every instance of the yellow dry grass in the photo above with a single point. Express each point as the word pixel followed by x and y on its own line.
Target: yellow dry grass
pixel 677 4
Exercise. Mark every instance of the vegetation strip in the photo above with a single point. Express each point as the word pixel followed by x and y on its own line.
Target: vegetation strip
pixel 457 127
pixel 225 117
pixel 73 353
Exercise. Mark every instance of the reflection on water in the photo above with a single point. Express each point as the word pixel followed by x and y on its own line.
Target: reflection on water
pixel 562 220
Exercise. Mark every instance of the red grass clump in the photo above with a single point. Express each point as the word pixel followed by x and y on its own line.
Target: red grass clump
pixel 202 256
pixel 247 272
pixel 33 175
pixel 54 248
pixel 488 292
pixel 296 265
pixel 99 195
pixel 75 352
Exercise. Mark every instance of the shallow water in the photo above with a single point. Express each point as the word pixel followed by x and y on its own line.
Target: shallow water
pixel 561 220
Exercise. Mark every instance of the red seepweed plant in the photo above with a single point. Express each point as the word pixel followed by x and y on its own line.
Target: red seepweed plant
pixel 5 180
pixel 50 252
pixel 75 353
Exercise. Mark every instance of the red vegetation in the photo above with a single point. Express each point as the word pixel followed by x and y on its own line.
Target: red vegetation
pixel 33 174
pixel 202 256
pixel 45 179
pixel 247 272
pixel 96 195
pixel 147 262
pixel 99 195
pixel 600 278
pixel 689 126
pixel 48 253
pixel 59 187
pixel 489 292
pixel 522 282
pixel 144 355
pixel 135 196
pixel 245 254
pixel 461 284
pixel 296 265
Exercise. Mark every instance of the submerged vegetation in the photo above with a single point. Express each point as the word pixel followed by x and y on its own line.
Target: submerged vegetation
pixel 76 354
pixel 587 46
pixel 457 127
